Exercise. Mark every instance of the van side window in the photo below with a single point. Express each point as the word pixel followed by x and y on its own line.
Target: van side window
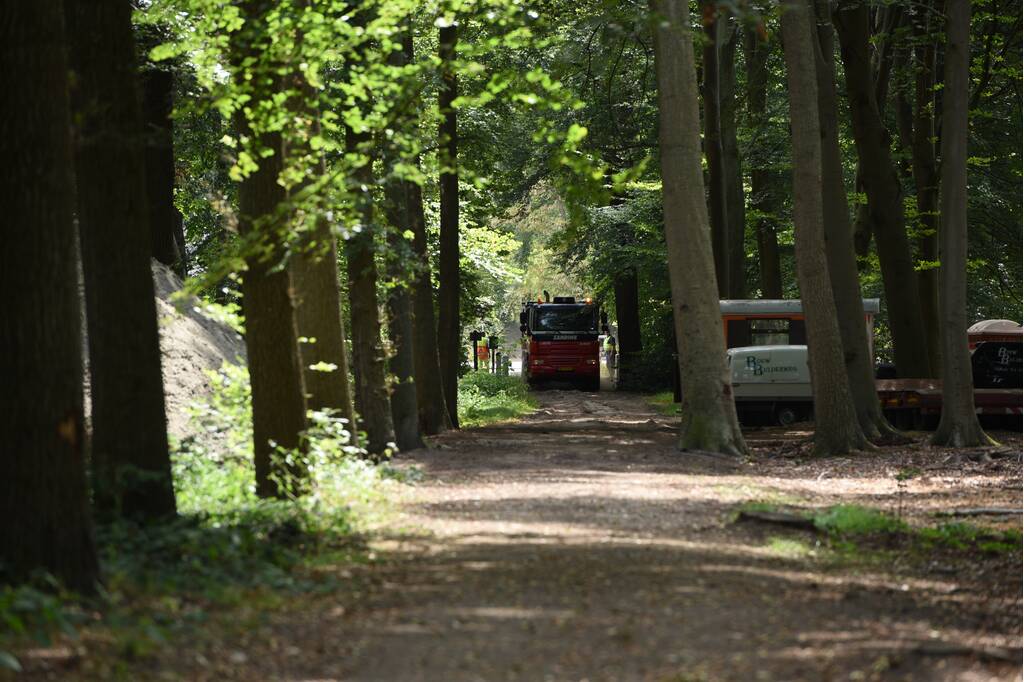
pixel 769 332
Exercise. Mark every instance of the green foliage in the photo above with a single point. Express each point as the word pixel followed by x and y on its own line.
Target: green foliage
pixel 845 520
pixel 35 611
pixel 664 402
pixel 486 398
pixel 851 526
pixel 226 544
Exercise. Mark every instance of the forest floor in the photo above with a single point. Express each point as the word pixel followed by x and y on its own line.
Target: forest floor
pixel 578 544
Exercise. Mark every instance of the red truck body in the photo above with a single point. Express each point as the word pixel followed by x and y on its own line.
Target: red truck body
pixel 562 342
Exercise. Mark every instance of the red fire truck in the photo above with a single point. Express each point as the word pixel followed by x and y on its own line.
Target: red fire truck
pixel 560 342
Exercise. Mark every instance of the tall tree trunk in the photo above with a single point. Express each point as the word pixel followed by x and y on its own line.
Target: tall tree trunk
pixel 314 272
pixel 627 317
pixel 836 428
pixel 885 200
pixel 709 415
pixel 449 335
pixel 271 333
pixel 926 181
pixel 404 404
pixel 430 397
pixel 165 221
pixel 318 318
pixel 44 503
pixel 368 356
pixel 734 199
pixel 958 426
pixel 762 180
pixel 713 151
pixel 130 460
pixel 842 261
pixel 434 417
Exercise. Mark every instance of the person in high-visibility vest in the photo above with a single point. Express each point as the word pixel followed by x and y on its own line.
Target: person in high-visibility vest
pixel 609 352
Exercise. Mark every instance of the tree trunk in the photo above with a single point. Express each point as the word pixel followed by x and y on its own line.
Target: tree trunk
pixel 842 261
pixel 709 415
pixel 130 460
pixel 434 417
pixel 713 147
pixel 836 429
pixel 885 200
pixel 318 318
pixel 271 333
pixel 958 426
pixel 926 181
pixel 368 356
pixel 404 404
pixel 43 498
pixel 449 335
pixel 314 272
pixel 762 180
pixel 430 395
pixel 734 199
pixel 165 221
pixel 627 317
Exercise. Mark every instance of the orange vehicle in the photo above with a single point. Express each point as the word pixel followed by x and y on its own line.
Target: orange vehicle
pixel 561 342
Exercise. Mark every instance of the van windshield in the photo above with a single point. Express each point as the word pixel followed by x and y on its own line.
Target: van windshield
pixel 565 318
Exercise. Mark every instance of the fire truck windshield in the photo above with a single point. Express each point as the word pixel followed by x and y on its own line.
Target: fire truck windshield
pixel 565 318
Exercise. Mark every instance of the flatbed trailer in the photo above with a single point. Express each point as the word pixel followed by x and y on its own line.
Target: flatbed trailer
pixel 918 402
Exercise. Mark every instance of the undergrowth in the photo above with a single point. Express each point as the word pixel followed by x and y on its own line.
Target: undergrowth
pixel 226 545
pixel 664 403
pixel 852 528
pixel 487 398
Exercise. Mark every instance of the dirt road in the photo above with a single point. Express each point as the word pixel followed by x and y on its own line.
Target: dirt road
pixel 578 544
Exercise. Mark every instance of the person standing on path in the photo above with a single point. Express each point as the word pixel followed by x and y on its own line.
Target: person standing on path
pixel 609 352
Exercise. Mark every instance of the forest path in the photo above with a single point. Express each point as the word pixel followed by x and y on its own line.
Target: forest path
pixel 578 544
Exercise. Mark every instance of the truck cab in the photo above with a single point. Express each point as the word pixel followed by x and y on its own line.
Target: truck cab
pixel 560 342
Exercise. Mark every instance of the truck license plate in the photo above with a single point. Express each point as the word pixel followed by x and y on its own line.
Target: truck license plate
pixel 566 369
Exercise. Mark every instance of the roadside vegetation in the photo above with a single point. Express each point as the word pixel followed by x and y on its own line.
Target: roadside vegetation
pixel 855 533
pixel 226 548
pixel 488 398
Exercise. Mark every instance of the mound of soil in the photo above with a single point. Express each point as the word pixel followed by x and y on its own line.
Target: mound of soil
pixel 191 342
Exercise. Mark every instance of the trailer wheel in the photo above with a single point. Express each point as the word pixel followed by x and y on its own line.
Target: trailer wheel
pixel 785 415
pixel 592 385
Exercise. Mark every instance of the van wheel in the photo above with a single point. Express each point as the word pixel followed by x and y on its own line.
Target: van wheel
pixel 785 415
pixel 592 385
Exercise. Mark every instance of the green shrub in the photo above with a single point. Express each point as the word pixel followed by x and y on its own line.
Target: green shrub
pixel 486 398
pixel 226 541
pixel 848 519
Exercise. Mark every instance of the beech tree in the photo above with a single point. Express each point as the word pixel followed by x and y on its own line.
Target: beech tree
pixel 762 190
pixel 839 250
pixel 709 415
pixel 130 461
pixel 434 417
pixel 43 497
pixel 449 334
pixel 314 272
pixel 368 355
pixel 430 396
pixel 837 429
pixel 271 334
pixel 958 425
pixel 736 219
pixel 713 152
pixel 885 200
